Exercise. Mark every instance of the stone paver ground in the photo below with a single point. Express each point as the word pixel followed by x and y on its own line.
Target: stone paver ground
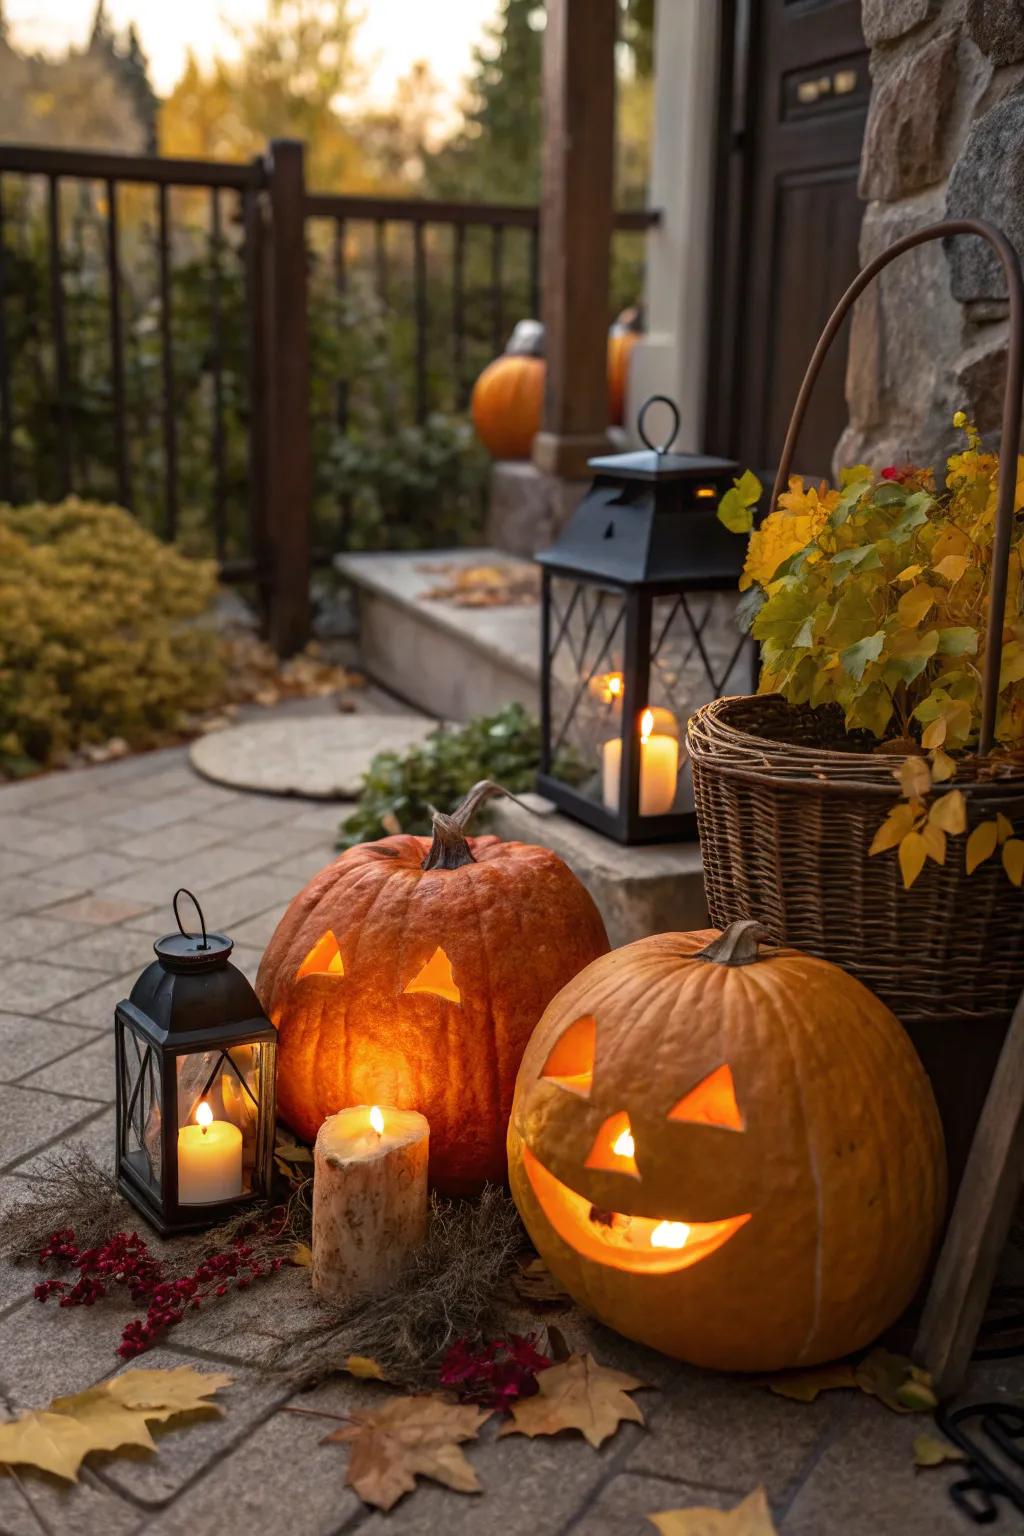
pixel 88 863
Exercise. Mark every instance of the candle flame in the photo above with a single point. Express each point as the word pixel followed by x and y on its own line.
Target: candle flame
pixel 646 724
pixel 204 1114
pixel 670 1234
pixel 624 1145
pixel 377 1120
pixel 614 684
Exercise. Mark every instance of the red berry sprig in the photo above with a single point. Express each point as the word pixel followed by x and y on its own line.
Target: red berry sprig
pixel 125 1260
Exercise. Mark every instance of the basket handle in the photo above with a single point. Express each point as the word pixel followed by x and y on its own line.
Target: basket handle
pixel 1010 430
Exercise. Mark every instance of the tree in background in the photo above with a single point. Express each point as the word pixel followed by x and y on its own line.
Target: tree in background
pixel 495 155
pixel 292 70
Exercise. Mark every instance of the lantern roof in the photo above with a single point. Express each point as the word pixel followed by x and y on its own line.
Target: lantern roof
pixel 653 464
pixel 192 989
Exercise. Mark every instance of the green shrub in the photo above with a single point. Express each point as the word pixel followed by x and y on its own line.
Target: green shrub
pixel 397 792
pixel 97 633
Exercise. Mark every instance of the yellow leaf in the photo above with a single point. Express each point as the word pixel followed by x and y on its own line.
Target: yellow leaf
pixel 943 767
pixel 913 852
pixel 364 1368
pixel 981 844
pixel 105 1418
pixel 897 1382
pixel 1004 827
pixel 162 1394
pixel 949 812
pixel 915 777
pixel 751 1518
pixel 804 1386
pixel 894 828
pixel 1013 859
pixel 301 1256
pixel 58 1442
pixel 913 605
pixel 929 1451
pixel 910 572
pixel 578 1394
pixel 934 734
pixel 952 567
pixel 934 840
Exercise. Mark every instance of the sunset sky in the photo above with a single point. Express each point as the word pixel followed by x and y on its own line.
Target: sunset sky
pixel 394 35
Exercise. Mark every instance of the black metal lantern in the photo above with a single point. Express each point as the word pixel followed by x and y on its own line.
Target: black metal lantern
pixel 638 628
pixel 195 1061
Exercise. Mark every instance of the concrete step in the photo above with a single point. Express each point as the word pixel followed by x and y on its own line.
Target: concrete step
pixel 451 662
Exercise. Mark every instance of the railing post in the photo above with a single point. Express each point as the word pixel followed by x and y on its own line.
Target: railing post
pixel 578 102
pixel 289 471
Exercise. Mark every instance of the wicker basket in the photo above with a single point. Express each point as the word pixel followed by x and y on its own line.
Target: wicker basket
pixel 787 803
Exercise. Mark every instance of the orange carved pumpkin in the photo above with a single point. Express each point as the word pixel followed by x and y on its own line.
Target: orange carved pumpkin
pixel 508 395
pixel 727 1152
pixel 622 338
pixel 412 971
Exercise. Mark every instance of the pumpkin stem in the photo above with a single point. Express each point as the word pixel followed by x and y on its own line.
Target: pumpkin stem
pixel 737 945
pixel 450 848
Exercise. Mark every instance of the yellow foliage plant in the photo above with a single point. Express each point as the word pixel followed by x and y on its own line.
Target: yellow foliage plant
pixel 100 633
pixel 874 596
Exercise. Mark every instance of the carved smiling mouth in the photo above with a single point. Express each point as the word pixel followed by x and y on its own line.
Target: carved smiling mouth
pixel 635 1243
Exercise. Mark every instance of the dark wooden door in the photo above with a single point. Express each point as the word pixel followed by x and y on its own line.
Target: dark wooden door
pixel 794 100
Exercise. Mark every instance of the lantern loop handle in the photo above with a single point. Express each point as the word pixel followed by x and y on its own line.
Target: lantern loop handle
pixel 177 916
pixel 658 448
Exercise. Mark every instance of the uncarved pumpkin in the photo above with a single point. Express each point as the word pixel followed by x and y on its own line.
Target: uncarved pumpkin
pixel 729 1153
pixel 622 338
pixel 412 971
pixel 509 395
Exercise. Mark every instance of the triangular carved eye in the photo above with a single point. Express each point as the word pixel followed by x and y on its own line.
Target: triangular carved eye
pixel 712 1102
pixel 614 1148
pixel 436 978
pixel 324 959
pixel 571 1063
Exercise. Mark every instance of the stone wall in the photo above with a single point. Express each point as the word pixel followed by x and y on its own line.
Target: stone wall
pixel 944 138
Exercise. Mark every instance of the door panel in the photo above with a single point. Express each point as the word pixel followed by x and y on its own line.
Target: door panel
pixel 795 88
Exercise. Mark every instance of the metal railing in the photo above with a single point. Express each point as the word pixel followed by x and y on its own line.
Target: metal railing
pixel 155 346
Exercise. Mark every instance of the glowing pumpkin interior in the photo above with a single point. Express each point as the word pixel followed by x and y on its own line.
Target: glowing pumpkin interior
pixel 435 978
pixel 639 1244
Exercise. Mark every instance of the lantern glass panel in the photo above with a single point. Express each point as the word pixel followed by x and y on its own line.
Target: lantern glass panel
pixel 220 1127
pixel 587 658
pixel 141 1115
pixel 698 653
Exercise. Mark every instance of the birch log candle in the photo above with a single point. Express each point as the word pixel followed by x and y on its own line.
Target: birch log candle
pixel 369 1199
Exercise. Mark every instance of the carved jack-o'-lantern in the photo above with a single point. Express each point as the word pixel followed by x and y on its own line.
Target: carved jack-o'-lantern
pixel 727 1152
pixel 412 971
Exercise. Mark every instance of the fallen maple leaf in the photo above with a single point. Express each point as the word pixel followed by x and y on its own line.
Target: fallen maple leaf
pixel 162 1394
pixel 751 1518
pixel 578 1394
pixel 896 1382
pixel 409 1437
pixel 804 1386
pixel 104 1418
pixel 930 1451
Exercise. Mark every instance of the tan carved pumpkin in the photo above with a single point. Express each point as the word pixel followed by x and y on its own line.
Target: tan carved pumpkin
pixel 508 396
pixel 412 971
pixel 727 1152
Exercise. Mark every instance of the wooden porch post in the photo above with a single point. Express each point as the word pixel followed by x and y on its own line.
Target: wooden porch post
pixel 289 473
pixel 576 226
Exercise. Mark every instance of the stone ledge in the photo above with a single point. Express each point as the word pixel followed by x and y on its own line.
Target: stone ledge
pixel 658 888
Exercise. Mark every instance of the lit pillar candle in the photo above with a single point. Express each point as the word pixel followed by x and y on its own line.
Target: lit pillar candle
pixel 659 769
pixel 369 1199
pixel 209 1160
